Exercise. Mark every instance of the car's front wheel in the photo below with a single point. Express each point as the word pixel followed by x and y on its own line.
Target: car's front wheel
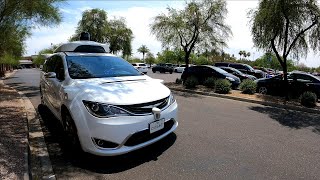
pixel 153 71
pixel 263 90
pixel 71 133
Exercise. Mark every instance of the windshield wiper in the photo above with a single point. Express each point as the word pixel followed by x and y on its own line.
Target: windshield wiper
pixel 123 81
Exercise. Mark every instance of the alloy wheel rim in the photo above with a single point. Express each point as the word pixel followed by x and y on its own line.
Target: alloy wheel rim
pixel 263 90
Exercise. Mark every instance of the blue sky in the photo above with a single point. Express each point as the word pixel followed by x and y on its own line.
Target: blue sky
pixel 138 15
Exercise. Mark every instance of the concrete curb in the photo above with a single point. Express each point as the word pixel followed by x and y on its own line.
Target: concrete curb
pixel 288 107
pixel 35 131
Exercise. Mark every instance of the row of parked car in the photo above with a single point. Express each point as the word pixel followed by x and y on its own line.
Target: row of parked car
pixel 298 82
pixel 268 80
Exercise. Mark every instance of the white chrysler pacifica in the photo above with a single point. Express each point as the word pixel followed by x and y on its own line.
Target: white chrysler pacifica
pixel 104 104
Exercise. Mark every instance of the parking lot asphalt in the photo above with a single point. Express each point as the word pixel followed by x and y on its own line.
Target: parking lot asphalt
pixel 167 77
pixel 216 139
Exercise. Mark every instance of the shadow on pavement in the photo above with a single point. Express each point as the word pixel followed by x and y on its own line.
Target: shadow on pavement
pixel 65 162
pixel 29 91
pixel 290 118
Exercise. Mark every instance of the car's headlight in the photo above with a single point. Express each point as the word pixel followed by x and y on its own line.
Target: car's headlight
pixel 230 78
pixel 104 110
pixel 171 99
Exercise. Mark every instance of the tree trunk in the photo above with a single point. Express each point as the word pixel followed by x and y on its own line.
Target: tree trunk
pixel 186 60
pixel 285 75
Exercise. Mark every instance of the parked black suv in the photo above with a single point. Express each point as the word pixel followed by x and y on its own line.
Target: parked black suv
pixel 162 68
pixel 245 68
pixel 204 72
pixel 299 82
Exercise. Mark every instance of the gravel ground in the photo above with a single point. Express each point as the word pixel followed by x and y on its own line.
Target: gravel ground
pixel 13 135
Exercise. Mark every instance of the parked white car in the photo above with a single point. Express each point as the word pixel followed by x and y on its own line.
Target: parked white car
pixel 141 67
pixel 104 104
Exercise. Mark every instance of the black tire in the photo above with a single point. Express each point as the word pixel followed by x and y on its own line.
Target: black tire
pixel 145 73
pixel 171 72
pixel 71 133
pixel 175 71
pixel 153 71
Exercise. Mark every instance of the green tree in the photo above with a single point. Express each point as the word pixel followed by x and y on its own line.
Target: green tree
pixel 96 23
pixel 143 49
pixel 199 25
pixel 114 32
pixel 16 20
pixel 150 59
pixel 119 36
pixel 288 28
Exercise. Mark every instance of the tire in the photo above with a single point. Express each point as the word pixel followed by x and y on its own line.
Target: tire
pixel 145 73
pixel 171 72
pixel 263 90
pixel 71 133
pixel 153 71
pixel 175 70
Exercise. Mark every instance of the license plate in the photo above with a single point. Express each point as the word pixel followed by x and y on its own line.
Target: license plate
pixel 156 126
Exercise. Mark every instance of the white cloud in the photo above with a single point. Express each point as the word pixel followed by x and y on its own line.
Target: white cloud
pixel 46 36
pixel 139 18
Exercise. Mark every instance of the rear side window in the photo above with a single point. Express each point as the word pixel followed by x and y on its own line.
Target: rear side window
pixel 237 66
pixel 142 65
pixel 221 64
pixel 134 65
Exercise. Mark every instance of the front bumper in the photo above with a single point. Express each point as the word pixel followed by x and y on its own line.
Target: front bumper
pixel 127 132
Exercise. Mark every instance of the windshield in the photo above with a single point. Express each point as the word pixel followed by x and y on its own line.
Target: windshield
pixel 251 69
pixel 219 70
pixel 237 71
pixel 82 67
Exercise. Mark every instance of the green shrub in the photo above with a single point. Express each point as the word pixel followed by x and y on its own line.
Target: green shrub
pixel 308 99
pixel 178 81
pixel 248 86
pixel 223 86
pixel 191 82
pixel 209 82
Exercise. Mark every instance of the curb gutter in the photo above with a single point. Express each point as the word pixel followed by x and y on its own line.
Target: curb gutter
pixel 287 107
pixel 38 147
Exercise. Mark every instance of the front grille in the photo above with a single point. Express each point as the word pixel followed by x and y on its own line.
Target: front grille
pixel 145 108
pixel 144 136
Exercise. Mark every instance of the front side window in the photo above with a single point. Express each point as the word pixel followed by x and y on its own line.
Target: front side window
pixel 219 70
pixel 83 67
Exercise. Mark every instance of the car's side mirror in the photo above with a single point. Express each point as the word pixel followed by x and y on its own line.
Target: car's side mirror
pixel 50 75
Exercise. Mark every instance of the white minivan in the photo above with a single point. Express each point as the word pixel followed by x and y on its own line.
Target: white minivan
pixel 105 105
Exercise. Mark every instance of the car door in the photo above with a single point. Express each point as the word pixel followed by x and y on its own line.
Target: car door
pixel 301 83
pixel 47 88
pixel 57 83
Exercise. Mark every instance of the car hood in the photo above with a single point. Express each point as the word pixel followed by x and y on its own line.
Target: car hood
pixel 233 76
pixel 122 90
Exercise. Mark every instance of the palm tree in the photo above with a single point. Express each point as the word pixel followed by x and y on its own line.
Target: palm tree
pixel 248 54
pixel 240 53
pixel 143 49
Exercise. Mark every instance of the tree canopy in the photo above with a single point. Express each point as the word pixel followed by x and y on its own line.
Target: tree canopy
pixel 114 31
pixel 17 18
pixel 200 25
pixel 287 27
